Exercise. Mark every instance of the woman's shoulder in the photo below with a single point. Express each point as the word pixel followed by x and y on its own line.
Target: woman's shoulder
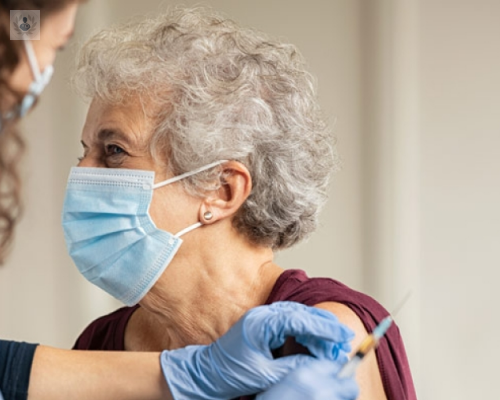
pixel 295 285
pixel 106 332
pixel 359 311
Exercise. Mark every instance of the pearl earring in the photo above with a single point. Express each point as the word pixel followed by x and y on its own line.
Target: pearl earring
pixel 208 215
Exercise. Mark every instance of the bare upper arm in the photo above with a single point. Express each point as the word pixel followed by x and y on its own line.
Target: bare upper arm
pixel 368 374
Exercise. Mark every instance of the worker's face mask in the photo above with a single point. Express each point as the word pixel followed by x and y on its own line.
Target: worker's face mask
pixel 110 234
pixel 41 80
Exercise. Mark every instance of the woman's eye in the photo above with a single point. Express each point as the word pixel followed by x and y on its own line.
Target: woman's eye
pixel 113 149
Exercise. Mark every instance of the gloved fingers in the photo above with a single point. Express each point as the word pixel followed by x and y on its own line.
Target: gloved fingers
pixel 349 390
pixel 286 306
pixel 310 367
pixel 345 388
pixel 320 348
pixel 286 365
pixel 306 322
pixel 313 380
pixel 324 373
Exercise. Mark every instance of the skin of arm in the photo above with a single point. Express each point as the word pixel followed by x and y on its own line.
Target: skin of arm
pixel 70 374
pixel 368 374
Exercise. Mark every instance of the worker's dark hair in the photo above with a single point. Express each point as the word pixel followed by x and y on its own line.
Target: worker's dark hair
pixel 11 141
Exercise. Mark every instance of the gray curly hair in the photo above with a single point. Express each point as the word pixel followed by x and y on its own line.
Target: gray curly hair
pixel 223 92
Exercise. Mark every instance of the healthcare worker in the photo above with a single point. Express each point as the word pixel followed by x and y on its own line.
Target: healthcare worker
pixel 239 363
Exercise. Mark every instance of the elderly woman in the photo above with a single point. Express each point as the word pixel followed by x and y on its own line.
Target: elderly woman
pixel 240 362
pixel 204 130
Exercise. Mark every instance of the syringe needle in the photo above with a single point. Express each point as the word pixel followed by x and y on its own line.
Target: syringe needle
pixel 401 304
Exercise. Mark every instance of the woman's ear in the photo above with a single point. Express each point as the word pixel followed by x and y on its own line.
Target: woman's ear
pixel 227 200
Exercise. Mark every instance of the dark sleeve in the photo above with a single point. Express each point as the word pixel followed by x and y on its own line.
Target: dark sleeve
pixel 15 368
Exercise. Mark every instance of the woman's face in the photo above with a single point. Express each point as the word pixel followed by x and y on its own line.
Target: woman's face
pixel 118 136
pixel 55 31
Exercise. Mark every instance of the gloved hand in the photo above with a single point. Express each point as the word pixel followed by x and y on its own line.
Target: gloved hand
pixel 241 363
pixel 316 380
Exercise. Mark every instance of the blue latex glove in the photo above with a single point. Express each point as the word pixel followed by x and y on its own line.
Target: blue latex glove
pixel 314 381
pixel 241 363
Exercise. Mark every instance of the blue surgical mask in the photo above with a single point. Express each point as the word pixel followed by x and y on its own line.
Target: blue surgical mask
pixel 41 80
pixel 110 234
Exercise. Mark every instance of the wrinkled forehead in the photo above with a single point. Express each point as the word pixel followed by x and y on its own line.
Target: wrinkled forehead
pixel 127 120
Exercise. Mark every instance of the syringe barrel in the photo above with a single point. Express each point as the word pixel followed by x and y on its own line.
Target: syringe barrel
pixel 349 368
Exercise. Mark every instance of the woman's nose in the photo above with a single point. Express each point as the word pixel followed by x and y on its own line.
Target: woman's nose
pixel 89 162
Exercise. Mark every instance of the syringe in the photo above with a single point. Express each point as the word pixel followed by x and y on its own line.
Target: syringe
pixel 368 344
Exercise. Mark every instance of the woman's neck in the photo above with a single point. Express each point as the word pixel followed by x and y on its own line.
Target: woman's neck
pixel 198 300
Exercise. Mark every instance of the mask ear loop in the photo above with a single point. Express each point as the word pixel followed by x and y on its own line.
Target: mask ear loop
pixel 41 80
pixel 187 174
pixel 188 229
pixel 35 69
pixel 180 177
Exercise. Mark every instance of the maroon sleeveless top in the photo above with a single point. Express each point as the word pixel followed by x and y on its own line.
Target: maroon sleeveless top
pixel 108 332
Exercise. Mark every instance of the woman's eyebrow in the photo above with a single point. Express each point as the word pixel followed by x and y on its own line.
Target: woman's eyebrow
pixel 109 134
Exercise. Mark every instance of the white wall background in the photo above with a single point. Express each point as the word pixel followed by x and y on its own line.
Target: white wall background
pixel 414 87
